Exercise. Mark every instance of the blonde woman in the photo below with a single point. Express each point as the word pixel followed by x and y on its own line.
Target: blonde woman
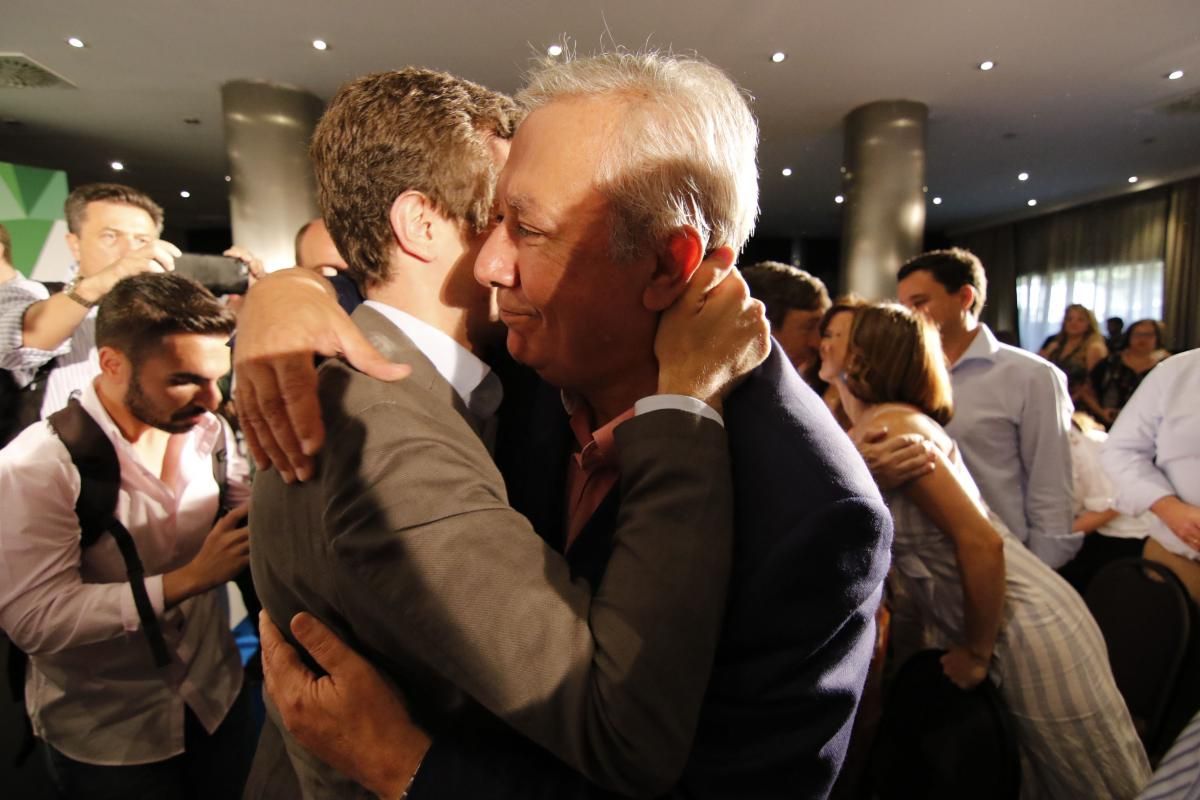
pixel 975 590
pixel 1077 347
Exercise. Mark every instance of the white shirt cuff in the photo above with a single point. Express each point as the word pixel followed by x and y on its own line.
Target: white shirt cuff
pixel 677 402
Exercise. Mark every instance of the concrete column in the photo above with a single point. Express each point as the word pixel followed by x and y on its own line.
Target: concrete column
pixel 273 193
pixel 884 217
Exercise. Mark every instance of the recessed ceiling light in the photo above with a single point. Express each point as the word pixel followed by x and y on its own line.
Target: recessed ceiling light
pixel 1173 75
pixel 1031 202
pixel 554 50
pixel 228 178
pixel 1133 179
pixel 778 57
pixel 1022 176
pixel 787 172
pixel 839 199
pixel 185 194
pixel 320 44
pixel 117 166
pixel 987 65
pixel 75 41
pixel 937 201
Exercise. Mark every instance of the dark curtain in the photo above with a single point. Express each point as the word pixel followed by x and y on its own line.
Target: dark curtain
pixel 1182 266
pixel 1127 230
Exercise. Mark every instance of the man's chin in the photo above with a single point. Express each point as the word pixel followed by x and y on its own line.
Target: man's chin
pixel 181 424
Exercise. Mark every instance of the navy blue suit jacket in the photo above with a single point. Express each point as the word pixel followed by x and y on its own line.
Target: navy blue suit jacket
pixel 812 548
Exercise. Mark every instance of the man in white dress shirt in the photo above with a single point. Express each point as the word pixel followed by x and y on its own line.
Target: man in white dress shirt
pixel 114 723
pixel 1153 457
pixel 1012 412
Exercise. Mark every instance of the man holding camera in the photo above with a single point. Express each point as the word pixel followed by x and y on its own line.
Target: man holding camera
pixel 47 341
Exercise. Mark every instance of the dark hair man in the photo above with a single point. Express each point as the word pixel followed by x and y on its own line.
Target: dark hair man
pixel 795 301
pixel 409 513
pixel 1012 411
pixel 47 342
pixel 115 724
pixel 627 171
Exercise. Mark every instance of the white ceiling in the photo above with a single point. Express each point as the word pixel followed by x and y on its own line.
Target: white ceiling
pixel 1077 81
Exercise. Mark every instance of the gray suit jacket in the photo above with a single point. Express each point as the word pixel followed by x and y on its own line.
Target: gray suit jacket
pixel 405 545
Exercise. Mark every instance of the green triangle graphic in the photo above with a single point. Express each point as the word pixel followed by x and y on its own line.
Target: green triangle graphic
pixel 28 239
pixel 9 207
pixel 33 182
pixel 50 204
pixel 8 174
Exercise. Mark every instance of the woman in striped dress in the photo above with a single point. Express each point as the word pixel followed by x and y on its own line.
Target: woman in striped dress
pixel 975 590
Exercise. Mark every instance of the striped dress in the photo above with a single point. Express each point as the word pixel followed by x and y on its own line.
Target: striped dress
pixel 1075 734
pixel 1178 775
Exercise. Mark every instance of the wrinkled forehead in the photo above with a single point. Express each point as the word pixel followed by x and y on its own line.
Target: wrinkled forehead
pixel 563 140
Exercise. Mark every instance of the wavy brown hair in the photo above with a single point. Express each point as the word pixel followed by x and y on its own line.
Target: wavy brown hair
pixel 894 356
pixel 391 132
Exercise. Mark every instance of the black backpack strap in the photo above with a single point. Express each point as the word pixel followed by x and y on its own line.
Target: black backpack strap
pixel 100 481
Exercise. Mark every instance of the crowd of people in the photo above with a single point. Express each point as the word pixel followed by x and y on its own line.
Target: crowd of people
pixel 537 508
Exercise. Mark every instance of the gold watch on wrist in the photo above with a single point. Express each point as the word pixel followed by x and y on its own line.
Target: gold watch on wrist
pixel 69 291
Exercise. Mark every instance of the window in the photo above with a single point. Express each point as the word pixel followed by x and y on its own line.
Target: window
pixel 1128 291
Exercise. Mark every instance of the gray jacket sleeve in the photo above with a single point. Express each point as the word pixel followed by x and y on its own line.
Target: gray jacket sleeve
pixel 433 567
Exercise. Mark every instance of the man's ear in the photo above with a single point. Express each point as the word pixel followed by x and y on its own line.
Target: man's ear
pixel 114 365
pixel 73 245
pixel 411 218
pixel 966 297
pixel 673 268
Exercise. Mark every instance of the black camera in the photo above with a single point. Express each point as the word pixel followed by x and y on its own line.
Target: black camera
pixel 219 274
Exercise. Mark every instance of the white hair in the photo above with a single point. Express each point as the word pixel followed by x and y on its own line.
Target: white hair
pixel 687 149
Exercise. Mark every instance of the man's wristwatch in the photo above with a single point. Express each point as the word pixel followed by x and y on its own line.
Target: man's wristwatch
pixel 69 291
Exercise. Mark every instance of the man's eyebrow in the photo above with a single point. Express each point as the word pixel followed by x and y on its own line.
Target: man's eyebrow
pixel 190 377
pixel 522 203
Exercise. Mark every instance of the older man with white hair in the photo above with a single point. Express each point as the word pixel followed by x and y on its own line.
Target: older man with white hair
pixel 628 171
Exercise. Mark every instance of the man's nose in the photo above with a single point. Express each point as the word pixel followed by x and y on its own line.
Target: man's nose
pixel 496 264
pixel 209 395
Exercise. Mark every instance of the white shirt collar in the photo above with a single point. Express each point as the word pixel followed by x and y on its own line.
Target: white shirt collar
pixel 471 378
pixel 984 346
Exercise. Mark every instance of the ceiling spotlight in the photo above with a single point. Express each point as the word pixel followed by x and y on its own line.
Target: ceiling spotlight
pixel 320 44
pixel 1031 202
pixel 1133 179
pixel 839 199
pixel 1022 176
pixel 75 41
pixel 987 65
pixel 1173 75
pixel 778 57
pixel 937 201
pixel 185 194
pixel 228 178
pixel 554 50
pixel 117 166
pixel 787 172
